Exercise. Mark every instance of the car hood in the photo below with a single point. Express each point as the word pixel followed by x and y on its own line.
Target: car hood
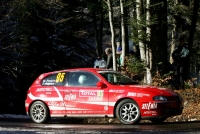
pixel 150 89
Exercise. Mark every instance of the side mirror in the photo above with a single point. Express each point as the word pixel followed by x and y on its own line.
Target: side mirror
pixel 101 84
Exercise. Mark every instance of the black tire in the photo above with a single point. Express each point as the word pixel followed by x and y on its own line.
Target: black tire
pixel 39 112
pixel 128 112
pixel 158 120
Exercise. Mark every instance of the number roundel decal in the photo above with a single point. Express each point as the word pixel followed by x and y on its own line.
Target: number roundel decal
pixel 60 77
pixel 100 94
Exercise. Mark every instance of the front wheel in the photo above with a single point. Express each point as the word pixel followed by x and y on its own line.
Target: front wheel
pixel 128 112
pixel 39 112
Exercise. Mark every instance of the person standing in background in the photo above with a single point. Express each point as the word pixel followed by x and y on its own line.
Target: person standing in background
pixel 119 52
pixel 109 62
pixel 179 56
pixel 99 62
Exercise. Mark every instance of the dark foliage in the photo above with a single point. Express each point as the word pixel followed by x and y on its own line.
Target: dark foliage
pixel 54 36
pixel 10 58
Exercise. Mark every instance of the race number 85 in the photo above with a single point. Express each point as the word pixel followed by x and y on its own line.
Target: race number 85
pixel 60 77
pixel 100 93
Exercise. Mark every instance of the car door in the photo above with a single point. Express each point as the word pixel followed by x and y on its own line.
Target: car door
pixel 83 97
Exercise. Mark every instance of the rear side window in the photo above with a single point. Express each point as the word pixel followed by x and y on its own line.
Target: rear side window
pixel 57 79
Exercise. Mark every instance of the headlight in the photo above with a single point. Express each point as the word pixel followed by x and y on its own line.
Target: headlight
pixel 159 98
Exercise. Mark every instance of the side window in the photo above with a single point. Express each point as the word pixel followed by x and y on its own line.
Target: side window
pixel 73 78
pixel 57 79
pixel 82 79
pixel 110 77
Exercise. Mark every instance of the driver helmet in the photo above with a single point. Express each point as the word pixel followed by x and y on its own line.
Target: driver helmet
pixel 82 79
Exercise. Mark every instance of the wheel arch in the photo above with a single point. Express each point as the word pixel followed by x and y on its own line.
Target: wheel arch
pixel 121 99
pixel 35 101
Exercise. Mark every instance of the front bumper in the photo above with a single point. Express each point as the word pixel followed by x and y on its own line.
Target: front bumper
pixel 163 109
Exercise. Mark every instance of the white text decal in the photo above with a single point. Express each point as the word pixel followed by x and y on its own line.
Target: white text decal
pixel 149 106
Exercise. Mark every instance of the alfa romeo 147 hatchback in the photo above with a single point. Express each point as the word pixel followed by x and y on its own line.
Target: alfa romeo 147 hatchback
pixel 94 92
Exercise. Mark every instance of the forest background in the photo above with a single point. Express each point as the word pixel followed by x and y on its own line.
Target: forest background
pixel 38 36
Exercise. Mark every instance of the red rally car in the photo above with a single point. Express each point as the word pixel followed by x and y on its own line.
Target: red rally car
pixel 94 92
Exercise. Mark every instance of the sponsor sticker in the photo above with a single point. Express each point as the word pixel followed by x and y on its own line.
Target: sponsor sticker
pixel 56 104
pixel 131 94
pixel 71 106
pixel 116 91
pixel 70 97
pixel 48 82
pixel 44 90
pixel 137 94
pixel 91 93
pixel 60 104
pixel 149 106
pixel 150 112
pixel 95 99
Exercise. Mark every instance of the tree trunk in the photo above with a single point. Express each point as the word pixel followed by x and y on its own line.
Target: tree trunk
pixel 141 44
pixel 148 49
pixel 134 32
pixel 126 13
pixel 109 3
pixel 172 36
pixel 192 31
pixel 122 32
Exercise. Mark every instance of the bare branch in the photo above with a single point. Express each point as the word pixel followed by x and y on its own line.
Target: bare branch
pixel 105 1
pixel 47 4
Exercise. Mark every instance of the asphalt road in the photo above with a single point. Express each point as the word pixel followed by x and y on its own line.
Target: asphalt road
pixel 57 126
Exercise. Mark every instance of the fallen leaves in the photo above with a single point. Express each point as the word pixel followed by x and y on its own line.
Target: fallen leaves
pixel 191 110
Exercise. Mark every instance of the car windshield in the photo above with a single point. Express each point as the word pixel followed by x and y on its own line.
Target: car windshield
pixel 116 78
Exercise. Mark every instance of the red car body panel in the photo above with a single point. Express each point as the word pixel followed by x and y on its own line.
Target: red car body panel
pixel 94 101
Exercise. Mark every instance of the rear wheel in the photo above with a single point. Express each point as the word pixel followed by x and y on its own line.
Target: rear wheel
pixel 128 112
pixel 39 112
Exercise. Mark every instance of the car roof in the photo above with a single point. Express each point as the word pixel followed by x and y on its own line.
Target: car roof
pixel 78 69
